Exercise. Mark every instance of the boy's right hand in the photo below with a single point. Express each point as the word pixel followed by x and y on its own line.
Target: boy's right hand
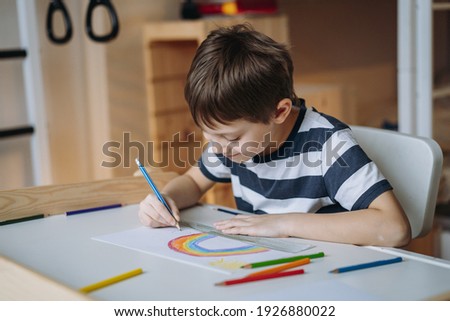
pixel 153 213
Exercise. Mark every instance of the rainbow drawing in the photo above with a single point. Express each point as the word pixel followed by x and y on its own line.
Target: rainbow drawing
pixel 190 245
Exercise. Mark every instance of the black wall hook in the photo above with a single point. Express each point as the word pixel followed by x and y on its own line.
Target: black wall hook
pixel 93 4
pixel 55 6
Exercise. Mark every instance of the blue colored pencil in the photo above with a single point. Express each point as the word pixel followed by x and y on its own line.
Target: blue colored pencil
pixel 93 209
pixel 366 265
pixel 155 190
pixel 225 211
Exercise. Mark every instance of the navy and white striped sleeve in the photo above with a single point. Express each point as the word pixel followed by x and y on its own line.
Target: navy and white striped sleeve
pixel 351 178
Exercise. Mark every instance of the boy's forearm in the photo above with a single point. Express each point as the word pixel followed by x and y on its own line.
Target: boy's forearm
pixel 326 227
pixel 364 227
pixel 384 223
pixel 183 190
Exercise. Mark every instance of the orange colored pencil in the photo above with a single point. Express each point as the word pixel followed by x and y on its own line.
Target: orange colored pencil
pixel 282 267
pixel 260 277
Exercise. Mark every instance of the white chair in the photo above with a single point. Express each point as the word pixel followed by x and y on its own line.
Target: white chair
pixel 412 165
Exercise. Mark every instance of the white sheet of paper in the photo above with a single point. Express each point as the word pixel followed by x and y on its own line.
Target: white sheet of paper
pixel 192 247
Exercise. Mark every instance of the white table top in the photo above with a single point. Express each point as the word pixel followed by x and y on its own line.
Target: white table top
pixel 61 248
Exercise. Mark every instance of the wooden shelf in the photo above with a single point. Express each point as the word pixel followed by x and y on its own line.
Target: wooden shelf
pixel 12 53
pixel 441 6
pixel 17 131
pixel 441 92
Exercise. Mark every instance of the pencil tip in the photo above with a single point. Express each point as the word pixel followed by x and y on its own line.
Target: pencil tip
pixel 247 266
pixel 220 284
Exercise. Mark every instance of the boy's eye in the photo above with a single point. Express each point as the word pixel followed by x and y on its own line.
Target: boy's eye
pixel 233 139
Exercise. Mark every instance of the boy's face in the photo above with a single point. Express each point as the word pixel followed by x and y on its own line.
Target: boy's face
pixel 240 140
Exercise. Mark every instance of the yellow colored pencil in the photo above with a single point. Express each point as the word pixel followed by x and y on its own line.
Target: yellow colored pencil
pixel 110 281
pixel 282 267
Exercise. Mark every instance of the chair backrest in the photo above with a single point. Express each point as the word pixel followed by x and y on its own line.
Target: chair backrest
pixel 412 165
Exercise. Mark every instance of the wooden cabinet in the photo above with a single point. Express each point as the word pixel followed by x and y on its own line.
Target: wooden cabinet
pixel 331 99
pixel 169 48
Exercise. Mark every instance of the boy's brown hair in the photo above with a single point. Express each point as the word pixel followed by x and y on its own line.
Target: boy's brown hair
pixel 238 73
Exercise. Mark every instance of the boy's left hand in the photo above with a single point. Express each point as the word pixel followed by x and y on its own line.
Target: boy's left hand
pixel 267 225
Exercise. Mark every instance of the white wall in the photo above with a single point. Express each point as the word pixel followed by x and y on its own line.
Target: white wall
pixel 70 95
pixel 15 154
pixel 75 92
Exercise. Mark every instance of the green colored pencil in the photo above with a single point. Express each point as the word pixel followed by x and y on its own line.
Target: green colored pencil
pixel 22 219
pixel 283 260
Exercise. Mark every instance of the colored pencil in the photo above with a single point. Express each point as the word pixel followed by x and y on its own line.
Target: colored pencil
pixel 260 277
pixel 366 265
pixel 155 190
pixel 93 209
pixel 111 281
pixel 282 267
pixel 282 260
pixel 22 219
pixel 225 211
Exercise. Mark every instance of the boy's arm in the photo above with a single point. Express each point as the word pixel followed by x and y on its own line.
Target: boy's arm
pixel 187 189
pixel 181 192
pixel 384 223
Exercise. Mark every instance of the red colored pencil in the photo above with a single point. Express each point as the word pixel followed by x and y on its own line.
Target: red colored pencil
pixel 261 277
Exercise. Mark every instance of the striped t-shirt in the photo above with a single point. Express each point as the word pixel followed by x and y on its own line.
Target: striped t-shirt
pixel 320 168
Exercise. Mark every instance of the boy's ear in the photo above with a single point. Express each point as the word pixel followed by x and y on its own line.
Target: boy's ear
pixel 283 109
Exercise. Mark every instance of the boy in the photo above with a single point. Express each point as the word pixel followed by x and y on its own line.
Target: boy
pixel 289 163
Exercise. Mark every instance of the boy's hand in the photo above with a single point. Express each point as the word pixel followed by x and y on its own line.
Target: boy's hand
pixel 153 213
pixel 267 225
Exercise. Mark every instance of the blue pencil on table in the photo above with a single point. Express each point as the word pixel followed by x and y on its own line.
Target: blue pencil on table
pixel 93 209
pixel 225 210
pixel 366 265
pixel 155 190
